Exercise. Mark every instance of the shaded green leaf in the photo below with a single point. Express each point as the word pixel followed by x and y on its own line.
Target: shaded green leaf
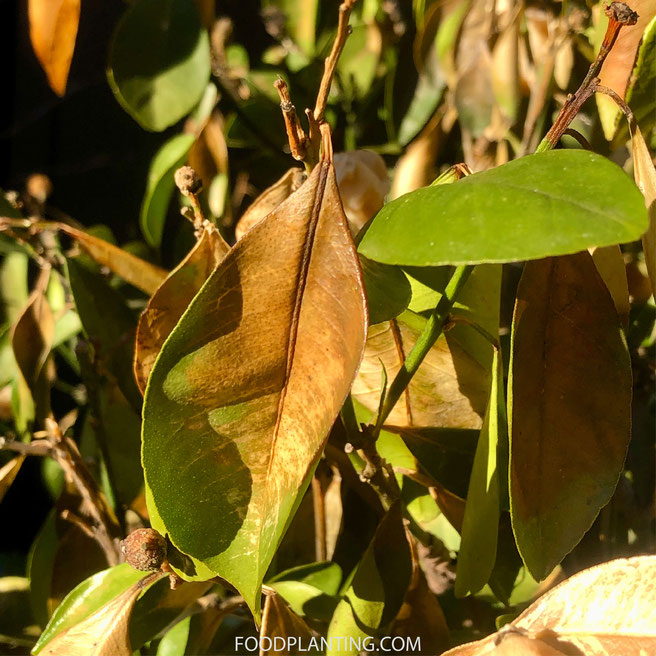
pixel 387 289
pixel 550 203
pixel 159 61
pixel 480 526
pixel 378 587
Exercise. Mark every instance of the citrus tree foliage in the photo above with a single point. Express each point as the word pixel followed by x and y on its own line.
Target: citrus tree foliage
pixel 401 387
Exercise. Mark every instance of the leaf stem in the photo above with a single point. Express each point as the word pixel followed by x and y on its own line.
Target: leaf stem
pixel 432 330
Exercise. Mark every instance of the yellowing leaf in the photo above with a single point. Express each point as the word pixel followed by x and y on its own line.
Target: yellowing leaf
pixel 105 632
pixel 53 30
pixel 139 273
pixel 248 384
pixel 610 265
pixel 645 177
pixel 8 473
pixel 568 438
pixel 606 610
pixel 171 299
pixel 269 199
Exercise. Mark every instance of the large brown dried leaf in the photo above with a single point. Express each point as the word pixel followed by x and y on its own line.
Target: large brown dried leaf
pixel 610 265
pixel 248 384
pixel 53 30
pixel 607 610
pixel 568 437
pixel 269 199
pixel 171 299
pixel 105 632
pixel 645 177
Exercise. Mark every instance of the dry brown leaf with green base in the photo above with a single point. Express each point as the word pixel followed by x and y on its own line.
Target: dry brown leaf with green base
pixel 172 298
pixel 53 30
pixel 606 610
pixel 229 443
pixel 105 632
pixel 610 265
pixel 645 177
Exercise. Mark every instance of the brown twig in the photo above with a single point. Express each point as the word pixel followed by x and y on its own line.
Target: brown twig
pixel 619 15
pixel 64 451
pixel 575 134
pixel 296 136
pixel 306 147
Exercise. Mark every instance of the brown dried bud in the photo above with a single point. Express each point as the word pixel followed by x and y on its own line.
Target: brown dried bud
pixel 144 549
pixel 188 181
pixel 39 187
pixel 621 12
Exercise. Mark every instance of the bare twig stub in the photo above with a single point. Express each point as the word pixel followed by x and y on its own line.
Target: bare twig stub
pixel 306 146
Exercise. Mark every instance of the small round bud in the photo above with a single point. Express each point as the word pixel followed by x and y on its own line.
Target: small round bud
pixel 188 181
pixel 144 549
pixel 39 187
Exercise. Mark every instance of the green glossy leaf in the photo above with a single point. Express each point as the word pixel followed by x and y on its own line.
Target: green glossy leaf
pixel 480 526
pixel 550 203
pixel 159 61
pixel 174 642
pixel 427 96
pixel 326 576
pixel 306 600
pixel 160 186
pixel 387 289
pixel 86 598
pixel 378 587
pixel 569 406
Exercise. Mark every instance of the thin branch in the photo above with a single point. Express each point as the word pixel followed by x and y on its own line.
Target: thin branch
pixel 331 62
pixel 432 330
pixel 296 136
pixel 575 134
pixel 619 15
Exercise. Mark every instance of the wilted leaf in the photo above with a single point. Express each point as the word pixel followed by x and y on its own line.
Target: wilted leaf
pixel 8 473
pixel 247 385
pixel 363 183
pixel 607 610
pixel 269 199
pixel 618 65
pixel 645 177
pixel 378 588
pixel 159 61
pixel 480 526
pixel 139 273
pixel 568 439
pixel 577 200
pixel 640 94
pixel 160 186
pixel 105 632
pixel 451 387
pixel 172 298
pixel 53 30
pixel 610 265
pixel 280 621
